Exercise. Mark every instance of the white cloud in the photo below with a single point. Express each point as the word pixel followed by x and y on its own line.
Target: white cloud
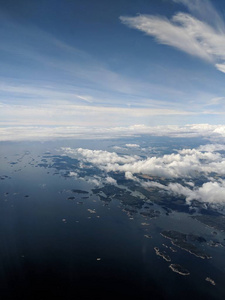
pixel 215 101
pixel 212 193
pixel 186 163
pixel 175 32
pixel 111 180
pixel 100 157
pixel 190 183
pixel 214 133
pixel 221 67
pixel 94 181
pixel 117 148
pixel 44 60
pixel 130 176
pixel 66 113
pixel 186 32
pixel 204 10
pixel 132 145
pixel 211 147
pixel 50 93
pixel 150 184
pixel 73 174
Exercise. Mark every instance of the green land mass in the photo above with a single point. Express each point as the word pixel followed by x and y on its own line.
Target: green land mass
pixel 181 240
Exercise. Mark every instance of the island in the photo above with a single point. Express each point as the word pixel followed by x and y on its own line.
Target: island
pixel 147 236
pixel 152 214
pixel 172 249
pixel 210 280
pixel 181 240
pixel 214 221
pixel 123 195
pixel 79 191
pixel 179 269
pixel 71 198
pixel 91 211
pixel 162 254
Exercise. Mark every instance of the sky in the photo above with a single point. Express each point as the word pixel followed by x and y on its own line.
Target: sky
pixel 111 64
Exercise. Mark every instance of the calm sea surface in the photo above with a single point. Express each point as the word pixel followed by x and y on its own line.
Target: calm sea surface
pixel 51 246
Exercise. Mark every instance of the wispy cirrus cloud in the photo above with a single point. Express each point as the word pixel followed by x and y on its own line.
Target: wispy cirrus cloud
pixel 191 34
pixel 41 68
pixel 204 10
pixel 67 113
pixel 51 82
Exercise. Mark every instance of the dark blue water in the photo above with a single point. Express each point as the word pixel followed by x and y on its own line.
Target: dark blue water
pixel 53 247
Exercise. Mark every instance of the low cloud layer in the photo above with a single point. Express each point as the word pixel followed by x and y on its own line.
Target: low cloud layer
pixel 212 192
pixel 188 164
pixel 215 133
pixel 100 157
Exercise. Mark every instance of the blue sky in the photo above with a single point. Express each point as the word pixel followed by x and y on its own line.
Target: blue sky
pixel 112 63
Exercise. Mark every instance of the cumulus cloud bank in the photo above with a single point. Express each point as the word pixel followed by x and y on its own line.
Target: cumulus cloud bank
pixel 100 157
pixel 212 193
pixel 191 34
pixel 187 164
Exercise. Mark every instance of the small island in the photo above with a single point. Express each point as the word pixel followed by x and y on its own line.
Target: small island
pixel 91 211
pixel 162 254
pixel 145 224
pixel 179 269
pixel 210 280
pixel 172 249
pixel 152 214
pixel 147 236
pixel 79 191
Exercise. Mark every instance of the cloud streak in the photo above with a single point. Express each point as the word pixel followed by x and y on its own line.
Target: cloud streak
pixel 186 33
pixel 60 112
pixel 47 82
pixel 215 133
pixel 204 10
pixel 46 68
